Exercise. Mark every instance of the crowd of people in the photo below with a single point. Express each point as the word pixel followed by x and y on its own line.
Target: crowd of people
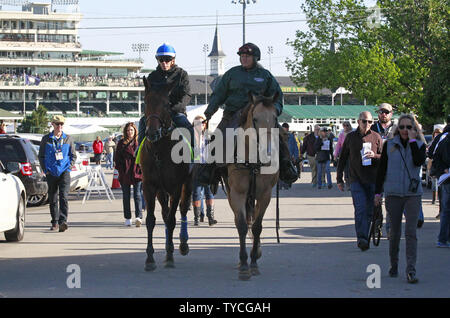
pixel 376 160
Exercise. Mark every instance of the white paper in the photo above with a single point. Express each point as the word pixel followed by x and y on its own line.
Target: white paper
pixel 443 177
pixel 325 145
pixel 367 147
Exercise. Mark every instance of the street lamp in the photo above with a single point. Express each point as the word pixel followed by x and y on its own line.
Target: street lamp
pixel 205 50
pixel 140 47
pixel 270 52
pixel 244 6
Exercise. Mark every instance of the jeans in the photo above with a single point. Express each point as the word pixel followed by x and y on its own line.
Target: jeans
pixel 388 218
pixel 199 190
pixel 59 213
pixel 109 160
pixel 313 166
pixel 395 207
pixel 126 190
pixel 323 166
pixel 363 195
pixel 444 233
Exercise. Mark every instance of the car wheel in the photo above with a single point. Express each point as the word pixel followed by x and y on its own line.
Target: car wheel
pixel 16 234
pixel 37 199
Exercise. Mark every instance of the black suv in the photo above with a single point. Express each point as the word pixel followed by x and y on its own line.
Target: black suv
pixel 22 151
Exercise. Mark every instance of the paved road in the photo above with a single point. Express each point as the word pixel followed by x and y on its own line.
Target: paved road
pixel 317 256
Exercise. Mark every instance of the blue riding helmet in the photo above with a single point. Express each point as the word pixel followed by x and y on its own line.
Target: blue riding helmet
pixel 165 50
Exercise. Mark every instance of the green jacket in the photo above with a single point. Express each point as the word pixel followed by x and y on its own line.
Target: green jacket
pixel 232 90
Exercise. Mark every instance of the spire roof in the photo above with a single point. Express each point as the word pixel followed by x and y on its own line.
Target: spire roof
pixel 217 46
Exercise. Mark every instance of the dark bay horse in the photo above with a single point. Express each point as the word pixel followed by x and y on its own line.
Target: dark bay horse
pixel 170 182
pixel 246 183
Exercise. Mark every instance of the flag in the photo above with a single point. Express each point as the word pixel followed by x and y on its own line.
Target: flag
pixel 32 80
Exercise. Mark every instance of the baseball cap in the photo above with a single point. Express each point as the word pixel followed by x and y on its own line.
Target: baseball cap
pixel 58 119
pixel 385 106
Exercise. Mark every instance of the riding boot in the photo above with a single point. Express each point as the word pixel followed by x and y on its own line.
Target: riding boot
pixel 288 172
pixel 196 214
pixel 210 215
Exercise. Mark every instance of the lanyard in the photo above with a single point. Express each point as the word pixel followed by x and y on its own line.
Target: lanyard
pixel 58 143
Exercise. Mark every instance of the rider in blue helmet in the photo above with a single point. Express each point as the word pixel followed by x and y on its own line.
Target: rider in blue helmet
pixel 168 73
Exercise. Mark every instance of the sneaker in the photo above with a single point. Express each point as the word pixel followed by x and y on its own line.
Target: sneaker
pixel 393 271
pixel 138 222
pixel 63 227
pixel 128 222
pixel 440 244
pixel 363 245
pixel 54 227
pixel 412 279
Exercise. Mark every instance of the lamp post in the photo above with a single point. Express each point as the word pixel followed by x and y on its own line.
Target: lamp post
pixel 270 52
pixel 140 47
pixel 244 6
pixel 205 50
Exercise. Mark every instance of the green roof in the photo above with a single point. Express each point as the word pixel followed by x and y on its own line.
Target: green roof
pixel 326 111
pixel 98 53
pixel 6 115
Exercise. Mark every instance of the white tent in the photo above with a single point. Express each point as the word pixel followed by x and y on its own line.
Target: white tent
pixel 83 129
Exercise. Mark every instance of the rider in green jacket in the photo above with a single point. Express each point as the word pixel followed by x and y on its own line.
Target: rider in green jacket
pixel 233 92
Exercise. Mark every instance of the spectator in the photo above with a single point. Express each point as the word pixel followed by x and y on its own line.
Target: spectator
pixel 97 146
pixel 2 128
pixel 308 148
pixel 362 148
pixel 129 173
pixel 347 129
pixel 435 189
pixel 293 151
pixel 441 166
pixel 384 124
pixel 324 154
pixel 200 149
pixel 399 175
pixel 110 145
pixel 57 155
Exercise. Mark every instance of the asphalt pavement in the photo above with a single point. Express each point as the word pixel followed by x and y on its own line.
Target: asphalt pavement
pixel 317 256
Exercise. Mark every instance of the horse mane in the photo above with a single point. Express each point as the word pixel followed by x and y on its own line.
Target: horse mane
pixel 267 101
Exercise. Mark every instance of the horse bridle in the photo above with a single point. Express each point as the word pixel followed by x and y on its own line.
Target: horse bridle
pixel 160 133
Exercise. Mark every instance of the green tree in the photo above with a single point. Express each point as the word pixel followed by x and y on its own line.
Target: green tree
pixel 403 59
pixel 36 123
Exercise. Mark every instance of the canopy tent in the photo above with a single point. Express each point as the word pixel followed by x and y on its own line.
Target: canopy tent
pixel 86 132
pixel 6 117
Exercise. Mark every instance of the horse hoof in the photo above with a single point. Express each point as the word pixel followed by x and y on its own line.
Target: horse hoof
pixel 169 264
pixel 150 267
pixel 245 275
pixel 184 249
pixel 255 271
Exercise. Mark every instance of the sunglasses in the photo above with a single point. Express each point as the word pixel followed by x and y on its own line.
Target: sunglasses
pixel 365 121
pixel 58 124
pixel 384 111
pixel 165 59
pixel 401 127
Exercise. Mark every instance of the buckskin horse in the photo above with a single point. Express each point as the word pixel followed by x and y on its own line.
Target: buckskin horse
pixel 246 184
pixel 162 178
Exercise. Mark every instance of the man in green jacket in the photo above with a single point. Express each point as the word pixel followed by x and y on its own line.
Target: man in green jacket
pixel 233 92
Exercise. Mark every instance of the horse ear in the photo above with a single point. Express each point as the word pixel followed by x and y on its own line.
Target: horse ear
pixel 146 84
pixel 251 98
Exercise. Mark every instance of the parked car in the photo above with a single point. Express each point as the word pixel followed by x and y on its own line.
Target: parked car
pixel 14 149
pixel 13 198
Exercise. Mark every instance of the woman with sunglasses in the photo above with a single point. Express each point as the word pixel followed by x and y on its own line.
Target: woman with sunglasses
pixel 399 178
pixel 168 73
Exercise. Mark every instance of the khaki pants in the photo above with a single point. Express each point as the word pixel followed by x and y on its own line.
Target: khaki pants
pixel 312 164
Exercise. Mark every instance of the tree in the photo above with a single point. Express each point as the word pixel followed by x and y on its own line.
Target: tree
pixel 36 123
pixel 402 58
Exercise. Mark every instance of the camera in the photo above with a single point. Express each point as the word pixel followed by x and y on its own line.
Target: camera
pixel 413 185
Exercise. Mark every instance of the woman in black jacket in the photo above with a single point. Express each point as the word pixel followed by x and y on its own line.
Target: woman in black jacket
pixel 324 154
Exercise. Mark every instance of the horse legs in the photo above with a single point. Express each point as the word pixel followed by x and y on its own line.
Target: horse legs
pixel 170 222
pixel 184 207
pixel 260 210
pixel 149 194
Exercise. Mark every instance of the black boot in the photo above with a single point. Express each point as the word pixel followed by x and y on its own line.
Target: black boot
pixel 210 215
pixel 196 215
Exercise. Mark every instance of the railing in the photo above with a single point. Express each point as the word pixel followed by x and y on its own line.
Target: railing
pixel 75 82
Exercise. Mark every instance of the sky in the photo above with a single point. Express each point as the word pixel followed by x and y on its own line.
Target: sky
pixel 189 40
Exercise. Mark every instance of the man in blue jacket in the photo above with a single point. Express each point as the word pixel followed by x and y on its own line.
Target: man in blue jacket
pixel 57 155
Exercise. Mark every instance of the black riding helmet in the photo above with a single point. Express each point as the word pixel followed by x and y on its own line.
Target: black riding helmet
pixel 250 49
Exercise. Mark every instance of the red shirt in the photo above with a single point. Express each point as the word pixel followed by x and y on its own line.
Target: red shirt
pixel 97 146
